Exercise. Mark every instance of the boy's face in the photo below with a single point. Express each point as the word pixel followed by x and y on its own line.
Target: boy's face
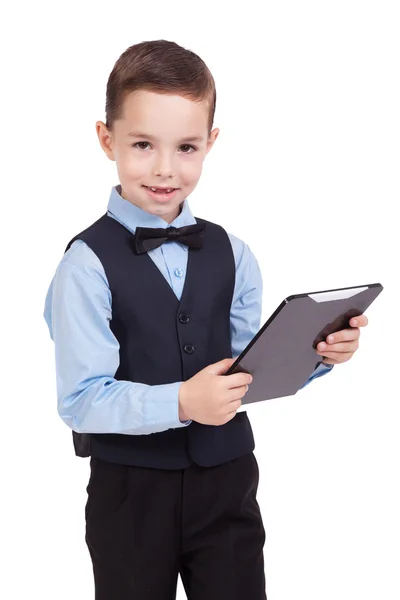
pixel 162 153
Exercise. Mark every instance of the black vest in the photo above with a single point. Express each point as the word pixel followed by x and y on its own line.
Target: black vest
pixel 164 340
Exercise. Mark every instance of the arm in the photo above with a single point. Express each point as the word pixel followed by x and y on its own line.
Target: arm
pixel 247 304
pixel 89 398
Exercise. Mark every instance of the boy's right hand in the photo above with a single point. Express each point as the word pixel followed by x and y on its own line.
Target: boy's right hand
pixel 211 398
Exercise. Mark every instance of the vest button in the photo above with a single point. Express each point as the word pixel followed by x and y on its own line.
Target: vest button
pixel 188 348
pixel 183 318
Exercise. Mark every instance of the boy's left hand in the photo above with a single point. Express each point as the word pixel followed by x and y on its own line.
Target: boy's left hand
pixel 343 344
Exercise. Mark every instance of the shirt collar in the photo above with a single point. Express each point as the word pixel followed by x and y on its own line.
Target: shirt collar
pixel 132 216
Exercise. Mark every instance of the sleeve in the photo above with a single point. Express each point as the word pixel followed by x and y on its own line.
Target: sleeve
pixel 319 372
pixel 89 398
pixel 246 305
pixel 245 317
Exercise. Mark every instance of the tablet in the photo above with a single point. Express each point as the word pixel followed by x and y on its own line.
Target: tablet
pixel 282 355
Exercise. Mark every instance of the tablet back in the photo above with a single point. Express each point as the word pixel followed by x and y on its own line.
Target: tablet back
pixel 281 356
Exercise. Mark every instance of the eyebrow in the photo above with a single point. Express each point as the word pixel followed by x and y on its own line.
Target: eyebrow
pixel 152 137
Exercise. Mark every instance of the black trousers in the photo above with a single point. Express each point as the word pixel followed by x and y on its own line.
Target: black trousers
pixel 146 526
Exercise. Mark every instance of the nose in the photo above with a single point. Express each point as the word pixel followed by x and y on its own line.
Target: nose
pixel 163 166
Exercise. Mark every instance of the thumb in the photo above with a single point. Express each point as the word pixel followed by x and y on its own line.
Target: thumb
pixel 220 367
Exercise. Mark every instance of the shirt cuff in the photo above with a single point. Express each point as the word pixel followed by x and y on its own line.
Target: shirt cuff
pixel 319 372
pixel 162 405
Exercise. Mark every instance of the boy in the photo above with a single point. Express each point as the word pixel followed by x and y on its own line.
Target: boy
pixel 147 308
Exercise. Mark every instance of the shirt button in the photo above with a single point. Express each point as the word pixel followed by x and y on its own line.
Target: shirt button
pixel 178 272
pixel 183 318
pixel 188 348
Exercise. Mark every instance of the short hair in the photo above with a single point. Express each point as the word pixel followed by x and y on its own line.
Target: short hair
pixel 159 66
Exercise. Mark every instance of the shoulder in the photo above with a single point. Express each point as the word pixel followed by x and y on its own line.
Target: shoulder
pixel 241 250
pixel 248 273
pixel 244 257
pixel 81 258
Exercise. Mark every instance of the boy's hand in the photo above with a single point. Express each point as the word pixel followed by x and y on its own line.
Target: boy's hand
pixel 211 398
pixel 344 343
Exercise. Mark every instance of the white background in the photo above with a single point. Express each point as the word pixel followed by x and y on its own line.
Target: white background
pixel 306 171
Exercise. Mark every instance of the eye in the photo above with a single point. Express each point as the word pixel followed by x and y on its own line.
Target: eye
pixel 137 143
pixel 188 146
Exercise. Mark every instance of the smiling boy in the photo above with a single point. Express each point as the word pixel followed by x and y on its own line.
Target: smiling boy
pixel 148 308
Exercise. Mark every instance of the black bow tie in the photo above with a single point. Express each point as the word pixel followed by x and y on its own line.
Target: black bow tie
pixel 148 238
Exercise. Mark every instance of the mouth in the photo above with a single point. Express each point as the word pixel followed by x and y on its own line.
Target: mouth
pixel 161 190
pixel 161 193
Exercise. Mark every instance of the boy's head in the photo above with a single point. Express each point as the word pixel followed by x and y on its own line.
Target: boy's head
pixel 159 115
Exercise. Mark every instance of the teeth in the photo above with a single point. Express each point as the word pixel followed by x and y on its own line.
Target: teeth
pixel 168 190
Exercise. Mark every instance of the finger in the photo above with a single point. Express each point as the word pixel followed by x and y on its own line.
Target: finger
pixel 345 335
pixel 234 406
pixel 329 361
pixel 230 416
pixel 340 347
pixel 361 321
pixel 237 380
pixel 237 393
pixel 337 357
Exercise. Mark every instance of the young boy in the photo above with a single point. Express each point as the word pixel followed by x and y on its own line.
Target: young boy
pixel 147 308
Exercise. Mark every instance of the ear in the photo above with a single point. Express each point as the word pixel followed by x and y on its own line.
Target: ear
pixel 211 139
pixel 105 139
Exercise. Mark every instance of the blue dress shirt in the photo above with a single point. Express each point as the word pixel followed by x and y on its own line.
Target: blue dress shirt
pixel 78 311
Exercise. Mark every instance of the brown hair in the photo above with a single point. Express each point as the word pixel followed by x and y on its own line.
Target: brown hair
pixel 163 67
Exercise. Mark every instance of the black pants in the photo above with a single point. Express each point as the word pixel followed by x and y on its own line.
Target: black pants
pixel 146 526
